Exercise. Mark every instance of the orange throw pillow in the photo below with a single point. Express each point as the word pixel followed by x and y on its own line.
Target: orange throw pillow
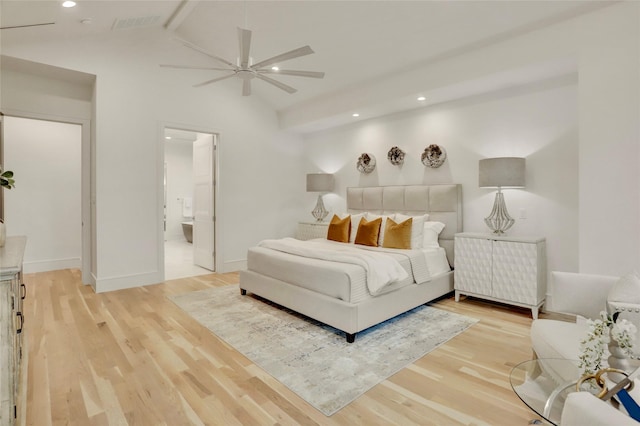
pixel 339 229
pixel 368 232
pixel 398 235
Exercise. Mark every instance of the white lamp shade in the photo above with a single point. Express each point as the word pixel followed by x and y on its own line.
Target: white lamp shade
pixel 501 172
pixel 319 182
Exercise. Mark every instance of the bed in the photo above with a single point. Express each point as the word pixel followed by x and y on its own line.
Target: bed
pixel 311 286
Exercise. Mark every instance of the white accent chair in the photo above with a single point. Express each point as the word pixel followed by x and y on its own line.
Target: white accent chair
pixel 585 296
pixel 582 295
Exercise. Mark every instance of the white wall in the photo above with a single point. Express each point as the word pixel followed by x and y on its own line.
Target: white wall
pixel 258 199
pixel 262 168
pixel 605 47
pixel 178 155
pixel 609 107
pixel 538 122
pixel 45 204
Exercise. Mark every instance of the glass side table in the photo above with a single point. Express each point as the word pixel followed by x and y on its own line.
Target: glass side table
pixel 543 385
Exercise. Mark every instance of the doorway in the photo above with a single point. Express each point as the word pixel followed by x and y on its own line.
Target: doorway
pixel 189 202
pixel 48 205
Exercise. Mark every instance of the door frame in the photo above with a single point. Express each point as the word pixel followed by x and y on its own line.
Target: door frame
pixel 160 189
pixel 88 231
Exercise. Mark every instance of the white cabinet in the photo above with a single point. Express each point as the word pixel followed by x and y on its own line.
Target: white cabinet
pixel 504 269
pixel 310 230
pixel 12 292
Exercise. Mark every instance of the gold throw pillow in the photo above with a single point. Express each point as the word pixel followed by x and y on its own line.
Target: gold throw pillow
pixel 368 232
pixel 398 235
pixel 339 229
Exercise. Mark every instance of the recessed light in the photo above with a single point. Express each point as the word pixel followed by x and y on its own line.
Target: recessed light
pixel 422 98
pixel 275 68
pixel 68 3
pixel 167 137
pixel 355 114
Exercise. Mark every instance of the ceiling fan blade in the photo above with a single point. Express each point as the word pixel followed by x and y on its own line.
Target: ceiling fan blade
pixel 244 37
pixel 276 83
pixel 312 74
pixel 204 83
pixel 204 52
pixel 295 53
pixel 246 87
pixel 189 67
pixel 26 26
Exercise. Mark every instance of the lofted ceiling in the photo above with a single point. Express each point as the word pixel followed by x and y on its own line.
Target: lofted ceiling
pixel 355 42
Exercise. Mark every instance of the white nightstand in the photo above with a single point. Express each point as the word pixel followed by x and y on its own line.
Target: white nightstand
pixel 504 269
pixel 310 230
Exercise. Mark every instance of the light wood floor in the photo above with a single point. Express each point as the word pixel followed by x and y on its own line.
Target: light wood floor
pixel 133 357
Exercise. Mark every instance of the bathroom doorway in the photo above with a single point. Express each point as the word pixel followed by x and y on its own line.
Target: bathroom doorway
pixel 189 208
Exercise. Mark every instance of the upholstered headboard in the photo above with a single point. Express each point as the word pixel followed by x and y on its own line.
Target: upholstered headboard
pixel 443 203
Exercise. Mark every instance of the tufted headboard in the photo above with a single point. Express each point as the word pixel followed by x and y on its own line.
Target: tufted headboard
pixel 443 203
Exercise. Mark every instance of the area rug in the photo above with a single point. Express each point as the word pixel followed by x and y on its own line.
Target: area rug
pixel 312 359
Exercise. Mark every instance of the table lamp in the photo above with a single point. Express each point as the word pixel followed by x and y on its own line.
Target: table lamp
pixel 505 172
pixel 319 182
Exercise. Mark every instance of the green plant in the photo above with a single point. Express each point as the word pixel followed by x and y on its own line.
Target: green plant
pixel 6 179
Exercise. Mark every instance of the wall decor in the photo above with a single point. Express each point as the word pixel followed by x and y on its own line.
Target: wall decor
pixel 396 156
pixel 434 156
pixel 366 163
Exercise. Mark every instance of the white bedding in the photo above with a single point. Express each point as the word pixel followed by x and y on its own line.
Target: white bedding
pixel 339 280
pixel 380 268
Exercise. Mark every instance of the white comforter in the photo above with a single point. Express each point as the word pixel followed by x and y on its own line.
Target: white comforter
pixel 381 269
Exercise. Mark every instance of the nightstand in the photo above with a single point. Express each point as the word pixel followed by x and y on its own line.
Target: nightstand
pixel 504 269
pixel 310 230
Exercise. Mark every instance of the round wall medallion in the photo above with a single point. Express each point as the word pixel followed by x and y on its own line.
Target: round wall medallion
pixel 434 156
pixel 396 156
pixel 366 163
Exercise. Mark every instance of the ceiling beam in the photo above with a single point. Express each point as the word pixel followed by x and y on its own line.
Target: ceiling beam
pixel 183 10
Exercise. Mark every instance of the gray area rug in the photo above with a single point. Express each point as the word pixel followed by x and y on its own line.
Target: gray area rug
pixel 312 359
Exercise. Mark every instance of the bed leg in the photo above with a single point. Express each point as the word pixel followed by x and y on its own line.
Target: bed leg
pixel 351 337
pixel 243 291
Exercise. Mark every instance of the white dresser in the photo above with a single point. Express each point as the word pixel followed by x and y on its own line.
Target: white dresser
pixel 504 269
pixel 12 292
pixel 310 230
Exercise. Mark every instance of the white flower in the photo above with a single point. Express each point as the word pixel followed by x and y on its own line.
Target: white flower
pixel 599 333
pixel 624 332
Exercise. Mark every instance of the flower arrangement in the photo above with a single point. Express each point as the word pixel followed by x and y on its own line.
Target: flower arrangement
pixel 600 333
pixel 6 179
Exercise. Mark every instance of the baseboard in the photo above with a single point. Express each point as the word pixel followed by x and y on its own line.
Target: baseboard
pixel 127 281
pixel 31 267
pixel 233 266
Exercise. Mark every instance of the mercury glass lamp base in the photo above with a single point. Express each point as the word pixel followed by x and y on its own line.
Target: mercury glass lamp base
pixel 319 212
pixel 499 220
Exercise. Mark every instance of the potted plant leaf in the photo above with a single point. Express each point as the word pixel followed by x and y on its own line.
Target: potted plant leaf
pixel 6 181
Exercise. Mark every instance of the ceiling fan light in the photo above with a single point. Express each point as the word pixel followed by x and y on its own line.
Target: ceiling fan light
pixel 275 69
pixel 69 3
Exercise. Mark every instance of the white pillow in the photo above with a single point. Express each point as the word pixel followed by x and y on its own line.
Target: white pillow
pixel 417 227
pixel 624 297
pixel 430 234
pixel 355 221
pixel 383 225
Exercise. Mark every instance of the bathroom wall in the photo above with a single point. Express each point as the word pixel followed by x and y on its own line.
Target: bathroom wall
pixel 178 159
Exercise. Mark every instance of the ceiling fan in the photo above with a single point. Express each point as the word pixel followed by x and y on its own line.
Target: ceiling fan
pixel 246 71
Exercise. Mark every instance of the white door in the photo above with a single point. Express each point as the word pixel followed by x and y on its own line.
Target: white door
pixel 203 201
